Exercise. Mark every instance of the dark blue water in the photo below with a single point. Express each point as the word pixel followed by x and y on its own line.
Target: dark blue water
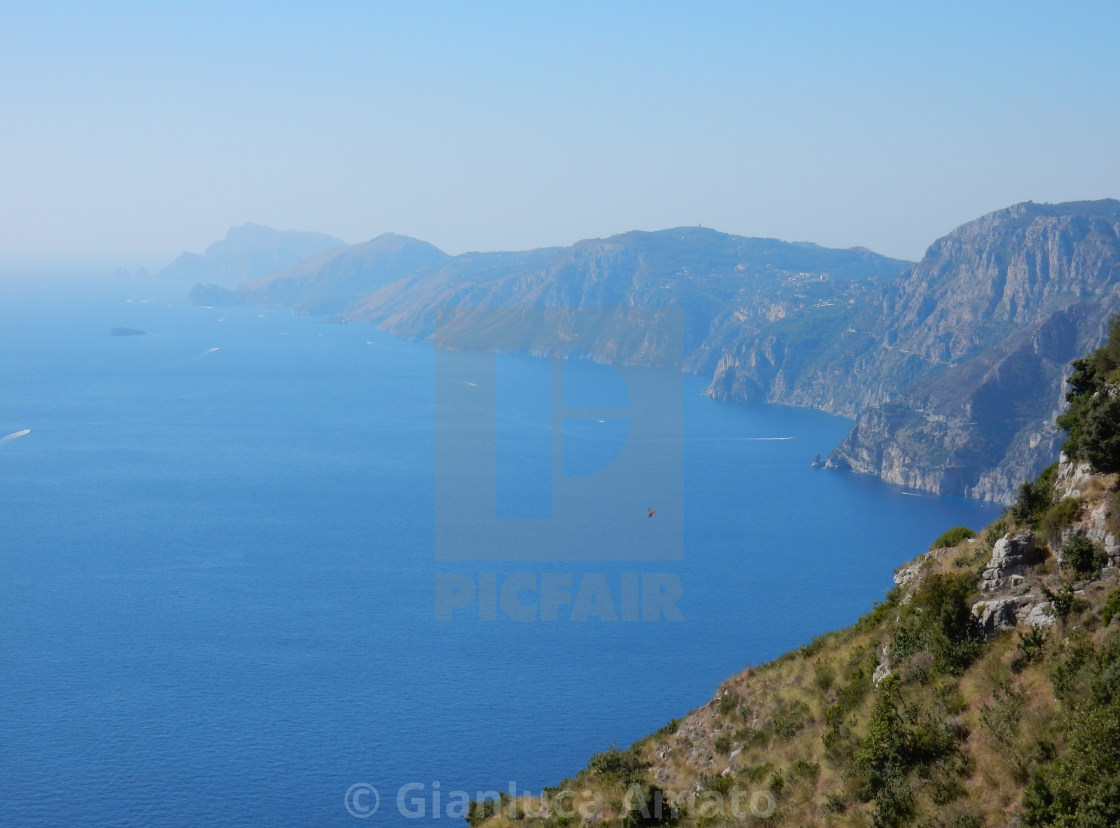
pixel 217 567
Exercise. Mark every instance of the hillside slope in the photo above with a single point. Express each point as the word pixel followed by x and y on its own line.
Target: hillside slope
pixel 724 287
pixel 984 691
pixel 967 698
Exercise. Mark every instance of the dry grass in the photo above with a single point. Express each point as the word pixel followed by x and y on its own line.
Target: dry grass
pixel 767 730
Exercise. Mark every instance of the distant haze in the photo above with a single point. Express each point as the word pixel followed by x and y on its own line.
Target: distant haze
pixel 133 132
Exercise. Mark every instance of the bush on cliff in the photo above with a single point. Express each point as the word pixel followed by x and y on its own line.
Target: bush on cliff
pixel 1093 418
pixel 953 537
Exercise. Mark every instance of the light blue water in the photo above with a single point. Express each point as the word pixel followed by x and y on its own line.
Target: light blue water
pixel 217 568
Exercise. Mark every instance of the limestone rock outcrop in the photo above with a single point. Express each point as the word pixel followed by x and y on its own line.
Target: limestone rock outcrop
pixel 1011 560
pixel 1010 600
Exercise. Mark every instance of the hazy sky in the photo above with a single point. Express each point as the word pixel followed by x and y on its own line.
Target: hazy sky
pixel 134 131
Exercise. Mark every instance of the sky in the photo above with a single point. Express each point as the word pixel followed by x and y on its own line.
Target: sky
pixel 130 132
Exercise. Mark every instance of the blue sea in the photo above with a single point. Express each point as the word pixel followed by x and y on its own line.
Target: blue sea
pixel 219 568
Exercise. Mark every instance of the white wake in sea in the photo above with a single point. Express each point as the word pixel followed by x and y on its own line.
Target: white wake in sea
pixel 15 435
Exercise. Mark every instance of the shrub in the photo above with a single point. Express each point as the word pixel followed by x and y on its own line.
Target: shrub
pixel 953 537
pixel 1092 420
pixel 652 808
pixel 856 685
pixel 894 804
pixel 919 667
pixel 806 770
pixel 1068 676
pixel 824 678
pixel 626 765
pixel 777 783
pixel 943 790
pixel 880 611
pixel 939 619
pixel 480 810
pixel 1035 498
pixel 756 773
pixel 1111 607
pixel 996 531
pixel 1080 786
pixel 751 737
pixel 814 646
pixel 1063 602
pixel 1060 515
pixel 791 719
pixel 1100 438
pixel 1031 646
pixel 1083 556
pixel 720 784
pixel 897 740
pixel 670 728
pixel 729 702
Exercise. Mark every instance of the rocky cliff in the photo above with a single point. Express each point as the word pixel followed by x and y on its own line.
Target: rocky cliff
pixel 969 370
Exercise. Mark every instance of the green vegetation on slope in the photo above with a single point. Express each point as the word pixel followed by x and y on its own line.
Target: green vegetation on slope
pixel 1093 418
pixel 924 712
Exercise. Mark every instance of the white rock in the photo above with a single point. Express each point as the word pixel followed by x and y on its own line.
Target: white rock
pixel 1005 613
pixel 1036 615
pixel 1072 479
pixel 910 573
pixel 997 614
pixel 1012 556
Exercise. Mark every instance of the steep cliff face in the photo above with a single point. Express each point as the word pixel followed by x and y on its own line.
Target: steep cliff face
pixel 989 279
pixel 971 366
pixel 824 360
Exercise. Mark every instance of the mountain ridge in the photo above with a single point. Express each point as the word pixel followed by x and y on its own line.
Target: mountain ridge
pixel 1047 272
pixel 845 331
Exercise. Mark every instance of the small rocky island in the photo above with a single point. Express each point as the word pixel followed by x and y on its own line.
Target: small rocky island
pixel 126 332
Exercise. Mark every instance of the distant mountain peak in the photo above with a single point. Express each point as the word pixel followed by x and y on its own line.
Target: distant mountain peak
pixel 248 252
pixel 392 241
pixel 328 281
